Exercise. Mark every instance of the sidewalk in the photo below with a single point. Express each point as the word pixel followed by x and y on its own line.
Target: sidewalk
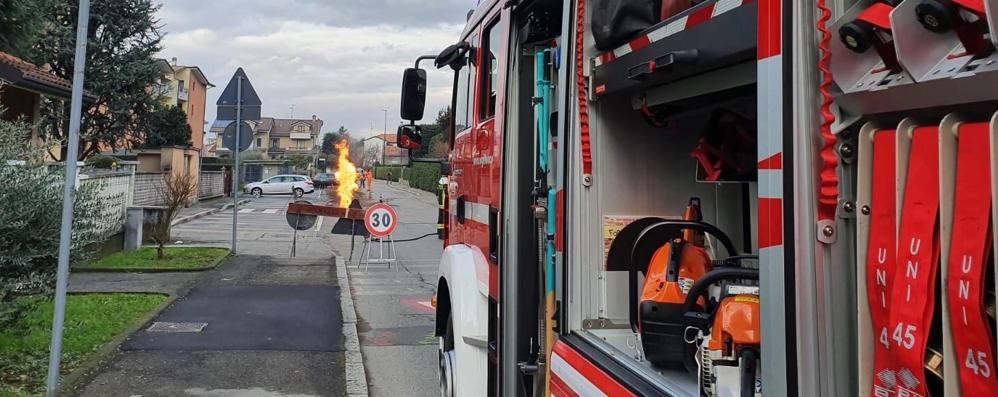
pixel 205 208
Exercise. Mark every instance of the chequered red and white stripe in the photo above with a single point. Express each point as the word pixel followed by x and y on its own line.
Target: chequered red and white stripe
pixel 686 22
pixel 574 376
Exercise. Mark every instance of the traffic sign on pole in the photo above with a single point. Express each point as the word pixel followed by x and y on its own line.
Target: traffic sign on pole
pixel 380 220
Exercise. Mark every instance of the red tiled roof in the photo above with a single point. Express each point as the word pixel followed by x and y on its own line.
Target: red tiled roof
pixel 36 74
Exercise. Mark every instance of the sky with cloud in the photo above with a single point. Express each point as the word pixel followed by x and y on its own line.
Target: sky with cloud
pixel 341 60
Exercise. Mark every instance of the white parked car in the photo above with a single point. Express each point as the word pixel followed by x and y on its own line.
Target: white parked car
pixel 298 185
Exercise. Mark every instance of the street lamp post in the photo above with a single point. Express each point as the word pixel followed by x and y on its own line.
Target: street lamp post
pixel 384 141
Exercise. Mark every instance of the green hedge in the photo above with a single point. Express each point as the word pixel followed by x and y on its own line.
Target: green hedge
pixel 425 176
pixel 381 172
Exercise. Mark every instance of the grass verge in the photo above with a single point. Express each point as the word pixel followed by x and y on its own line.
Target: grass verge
pixel 92 320
pixel 175 258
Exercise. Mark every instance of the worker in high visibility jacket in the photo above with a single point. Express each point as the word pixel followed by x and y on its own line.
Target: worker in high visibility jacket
pixel 369 175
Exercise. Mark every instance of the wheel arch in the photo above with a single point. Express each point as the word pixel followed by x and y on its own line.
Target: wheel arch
pixel 443 307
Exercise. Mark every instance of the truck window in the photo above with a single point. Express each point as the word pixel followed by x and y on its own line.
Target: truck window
pixel 464 91
pixel 490 79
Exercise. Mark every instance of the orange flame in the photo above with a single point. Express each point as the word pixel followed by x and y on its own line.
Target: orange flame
pixel 346 174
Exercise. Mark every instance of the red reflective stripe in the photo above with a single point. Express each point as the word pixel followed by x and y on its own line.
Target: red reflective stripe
pixel 560 389
pixel 770 222
pixel 770 24
pixel 913 289
pixel 774 162
pixel 700 16
pixel 970 246
pixel 882 251
pixel 594 375
pixel 639 43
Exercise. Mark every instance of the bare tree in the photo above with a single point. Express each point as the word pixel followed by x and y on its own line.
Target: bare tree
pixel 177 191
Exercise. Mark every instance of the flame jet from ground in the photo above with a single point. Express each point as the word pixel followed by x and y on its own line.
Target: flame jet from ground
pixel 346 174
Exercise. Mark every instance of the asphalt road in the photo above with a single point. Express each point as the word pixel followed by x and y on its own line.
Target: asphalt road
pixel 395 316
pixel 395 319
pixel 272 323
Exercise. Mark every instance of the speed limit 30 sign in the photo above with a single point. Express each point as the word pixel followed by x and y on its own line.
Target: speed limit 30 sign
pixel 380 220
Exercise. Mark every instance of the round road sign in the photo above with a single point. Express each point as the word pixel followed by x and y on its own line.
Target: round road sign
pixel 380 220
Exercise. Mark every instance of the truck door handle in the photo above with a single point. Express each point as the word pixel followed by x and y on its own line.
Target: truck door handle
pixel 459 208
pixel 667 61
pixel 494 234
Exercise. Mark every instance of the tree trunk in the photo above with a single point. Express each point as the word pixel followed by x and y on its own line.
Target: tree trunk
pixel 159 252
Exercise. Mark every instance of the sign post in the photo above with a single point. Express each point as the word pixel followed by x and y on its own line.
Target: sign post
pixel 235 162
pixel 68 199
pixel 380 220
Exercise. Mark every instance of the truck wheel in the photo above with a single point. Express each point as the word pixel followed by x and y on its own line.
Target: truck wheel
pixel 446 353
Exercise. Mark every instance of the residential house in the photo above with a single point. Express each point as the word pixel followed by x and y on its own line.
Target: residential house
pixel 23 86
pixel 278 138
pixel 384 149
pixel 283 138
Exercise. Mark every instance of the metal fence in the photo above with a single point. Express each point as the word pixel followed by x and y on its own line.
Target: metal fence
pixel 115 194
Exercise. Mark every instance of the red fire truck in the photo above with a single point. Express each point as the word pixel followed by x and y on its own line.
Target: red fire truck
pixel 718 198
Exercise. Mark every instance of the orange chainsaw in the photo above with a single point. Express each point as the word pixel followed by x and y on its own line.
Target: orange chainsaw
pixel 728 330
pixel 672 256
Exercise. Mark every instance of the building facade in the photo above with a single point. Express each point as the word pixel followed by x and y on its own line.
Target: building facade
pixel 187 88
pixel 383 149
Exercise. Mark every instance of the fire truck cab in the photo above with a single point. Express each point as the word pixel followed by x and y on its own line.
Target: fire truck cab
pixel 680 198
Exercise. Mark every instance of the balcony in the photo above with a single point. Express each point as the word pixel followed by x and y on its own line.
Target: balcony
pixel 301 135
pixel 182 94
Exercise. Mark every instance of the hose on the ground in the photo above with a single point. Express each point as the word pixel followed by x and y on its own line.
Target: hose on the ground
pixel 408 239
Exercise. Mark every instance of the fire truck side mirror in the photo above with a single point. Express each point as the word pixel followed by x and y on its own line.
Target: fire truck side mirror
pixel 409 137
pixel 413 94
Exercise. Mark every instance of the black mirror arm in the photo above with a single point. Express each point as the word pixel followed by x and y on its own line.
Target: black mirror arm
pixel 424 58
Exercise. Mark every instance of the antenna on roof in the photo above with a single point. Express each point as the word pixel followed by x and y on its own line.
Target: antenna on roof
pixel 292 112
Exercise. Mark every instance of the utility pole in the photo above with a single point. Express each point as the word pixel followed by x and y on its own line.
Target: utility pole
pixel 384 141
pixel 235 162
pixel 68 198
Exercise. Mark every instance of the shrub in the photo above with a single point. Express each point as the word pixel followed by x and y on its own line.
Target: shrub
pixel 177 191
pixel 100 161
pixel 425 176
pixel 30 217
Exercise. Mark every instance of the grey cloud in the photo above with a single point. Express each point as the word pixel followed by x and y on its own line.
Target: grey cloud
pixel 340 60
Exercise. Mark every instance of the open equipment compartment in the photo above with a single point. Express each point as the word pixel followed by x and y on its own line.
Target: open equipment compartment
pixel 643 132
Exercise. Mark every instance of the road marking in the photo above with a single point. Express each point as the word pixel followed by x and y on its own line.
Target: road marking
pixel 270 211
pixel 245 210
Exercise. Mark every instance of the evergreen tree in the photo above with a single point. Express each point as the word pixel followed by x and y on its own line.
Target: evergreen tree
pixel 20 23
pixel 168 127
pixel 123 39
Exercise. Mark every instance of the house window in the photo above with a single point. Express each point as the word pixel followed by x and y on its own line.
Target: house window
pixel 301 128
pixel 275 142
pixel 259 142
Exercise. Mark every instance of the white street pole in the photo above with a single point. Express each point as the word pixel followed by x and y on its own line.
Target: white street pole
pixel 383 140
pixel 235 162
pixel 68 198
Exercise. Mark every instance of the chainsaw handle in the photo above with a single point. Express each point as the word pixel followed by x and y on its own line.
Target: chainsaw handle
pixel 650 239
pixel 713 277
